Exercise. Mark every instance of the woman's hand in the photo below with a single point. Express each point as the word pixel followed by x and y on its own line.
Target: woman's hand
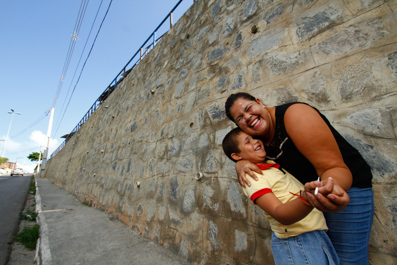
pixel 330 198
pixel 244 167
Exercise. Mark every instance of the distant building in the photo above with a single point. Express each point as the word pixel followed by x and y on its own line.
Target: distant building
pixel 8 166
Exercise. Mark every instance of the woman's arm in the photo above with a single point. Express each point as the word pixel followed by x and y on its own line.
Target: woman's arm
pixel 314 139
pixel 244 167
pixel 285 213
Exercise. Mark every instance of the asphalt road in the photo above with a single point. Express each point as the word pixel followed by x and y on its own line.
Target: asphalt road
pixel 13 192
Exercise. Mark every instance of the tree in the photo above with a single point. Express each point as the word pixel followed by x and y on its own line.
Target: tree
pixel 3 160
pixel 35 156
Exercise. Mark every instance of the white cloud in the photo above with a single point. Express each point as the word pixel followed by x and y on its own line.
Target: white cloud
pixel 11 146
pixel 26 164
pixel 40 139
pixel 18 151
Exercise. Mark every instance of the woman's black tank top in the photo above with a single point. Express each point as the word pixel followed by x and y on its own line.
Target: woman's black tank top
pixel 284 152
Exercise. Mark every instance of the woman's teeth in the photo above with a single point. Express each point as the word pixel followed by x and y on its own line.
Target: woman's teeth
pixel 255 122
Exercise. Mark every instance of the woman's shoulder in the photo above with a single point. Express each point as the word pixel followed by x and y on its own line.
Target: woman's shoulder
pixel 299 110
pixel 298 118
pixel 286 106
pixel 288 109
pixel 280 110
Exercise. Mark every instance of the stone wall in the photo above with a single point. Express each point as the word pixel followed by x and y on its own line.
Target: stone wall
pixel 138 155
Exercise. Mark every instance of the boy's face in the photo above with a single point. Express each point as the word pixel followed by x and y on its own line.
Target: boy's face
pixel 250 149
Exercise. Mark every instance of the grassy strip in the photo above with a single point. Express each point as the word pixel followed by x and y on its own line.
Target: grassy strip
pixel 29 236
pixel 28 215
pixel 32 188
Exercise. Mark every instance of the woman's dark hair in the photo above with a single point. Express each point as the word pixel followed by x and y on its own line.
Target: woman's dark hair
pixel 232 98
pixel 230 143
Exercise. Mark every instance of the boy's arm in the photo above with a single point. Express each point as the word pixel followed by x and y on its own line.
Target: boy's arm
pixel 285 213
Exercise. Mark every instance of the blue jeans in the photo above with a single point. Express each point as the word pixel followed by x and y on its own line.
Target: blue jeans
pixel 349 229
pixel 308 248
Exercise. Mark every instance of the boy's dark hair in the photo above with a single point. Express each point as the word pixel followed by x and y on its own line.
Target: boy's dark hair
pixel 230 143
pixel 232 98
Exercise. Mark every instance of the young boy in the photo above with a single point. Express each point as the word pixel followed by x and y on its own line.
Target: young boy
pixel 298 231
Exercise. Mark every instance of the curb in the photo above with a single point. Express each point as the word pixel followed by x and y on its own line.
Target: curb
pixel 43 253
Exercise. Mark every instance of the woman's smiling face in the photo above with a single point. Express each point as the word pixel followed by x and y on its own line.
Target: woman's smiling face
pixel 251 116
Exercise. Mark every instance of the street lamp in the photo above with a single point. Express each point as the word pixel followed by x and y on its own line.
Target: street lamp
pixel 12 112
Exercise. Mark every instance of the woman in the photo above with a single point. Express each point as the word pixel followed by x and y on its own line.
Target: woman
pixel 301 140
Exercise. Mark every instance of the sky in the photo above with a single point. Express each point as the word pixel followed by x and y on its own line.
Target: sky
pixel 37 51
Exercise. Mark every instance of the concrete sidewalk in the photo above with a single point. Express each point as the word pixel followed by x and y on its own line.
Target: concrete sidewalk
pixel 72 233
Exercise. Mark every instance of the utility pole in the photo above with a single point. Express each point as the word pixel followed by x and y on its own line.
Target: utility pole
pixel 45 154
pixel 38 163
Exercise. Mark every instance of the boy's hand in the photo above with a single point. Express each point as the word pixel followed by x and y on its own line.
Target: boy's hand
pixel 330 198
pixel 244 167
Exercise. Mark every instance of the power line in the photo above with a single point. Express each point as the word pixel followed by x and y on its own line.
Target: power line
pixel 74 38
pixel 33 124
pixel 88 56
pixel 76 31
pixel 78 64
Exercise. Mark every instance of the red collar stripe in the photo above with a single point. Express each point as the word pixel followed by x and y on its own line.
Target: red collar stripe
pixel 266 166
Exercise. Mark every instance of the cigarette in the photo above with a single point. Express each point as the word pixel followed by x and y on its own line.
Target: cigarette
pixel 316 189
